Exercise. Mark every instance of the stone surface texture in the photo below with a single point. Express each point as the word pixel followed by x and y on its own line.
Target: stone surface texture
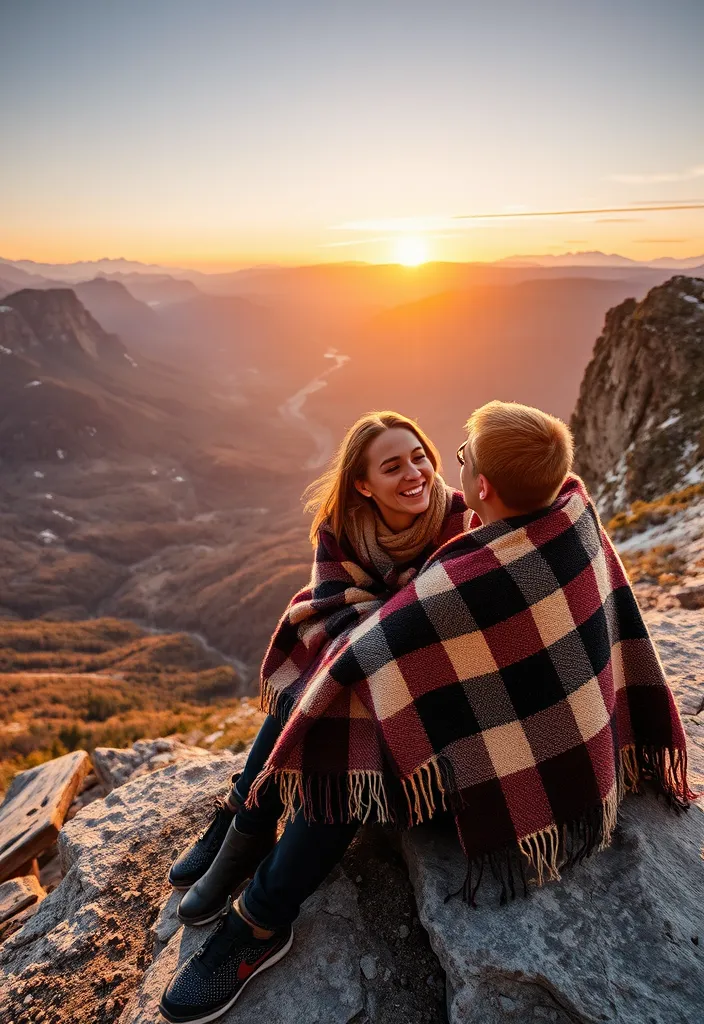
pixel 113 766
pixel 90 941
pixel 324 960
pixel 104 944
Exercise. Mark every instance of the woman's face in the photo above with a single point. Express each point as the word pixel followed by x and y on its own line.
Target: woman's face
pixel 399 476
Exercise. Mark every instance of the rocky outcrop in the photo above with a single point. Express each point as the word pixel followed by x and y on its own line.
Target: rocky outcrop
pixel 639 420
pixel 85 950
pixel 103 945
pixel 583 950
pixel 114 766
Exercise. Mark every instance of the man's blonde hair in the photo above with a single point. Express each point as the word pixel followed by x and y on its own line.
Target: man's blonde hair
pixel 523 452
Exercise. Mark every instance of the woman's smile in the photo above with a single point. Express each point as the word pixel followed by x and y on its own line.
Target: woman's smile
pixel 414 492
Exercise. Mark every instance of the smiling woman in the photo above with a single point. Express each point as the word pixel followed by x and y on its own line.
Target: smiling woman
pixel 411 252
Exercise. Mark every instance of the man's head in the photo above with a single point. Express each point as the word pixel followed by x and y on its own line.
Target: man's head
pixel 516 459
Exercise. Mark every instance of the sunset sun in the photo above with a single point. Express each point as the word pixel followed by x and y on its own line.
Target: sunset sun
pixel 411 252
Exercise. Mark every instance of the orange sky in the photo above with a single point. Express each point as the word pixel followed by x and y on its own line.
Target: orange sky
pixel 316 132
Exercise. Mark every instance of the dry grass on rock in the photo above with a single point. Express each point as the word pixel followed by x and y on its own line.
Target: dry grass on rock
pixel 650 513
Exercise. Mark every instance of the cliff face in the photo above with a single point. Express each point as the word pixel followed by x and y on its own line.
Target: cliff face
pixel 54 323
pixel 639 419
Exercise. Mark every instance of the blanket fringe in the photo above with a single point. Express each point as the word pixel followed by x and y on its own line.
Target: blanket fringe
pixel 362 796
pixel 541 851
pixel 552 850
pixel 667 767
pixel 278 703
pixel 425 792
pixel 356 795
pixel 347 796
pixel 628 778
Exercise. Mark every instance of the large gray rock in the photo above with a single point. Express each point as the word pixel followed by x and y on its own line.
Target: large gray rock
pixel 621 938
pixel 115 766
pixel 104 944
pixel 84 952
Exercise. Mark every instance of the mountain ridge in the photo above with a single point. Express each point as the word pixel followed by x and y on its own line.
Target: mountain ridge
pixel 639 419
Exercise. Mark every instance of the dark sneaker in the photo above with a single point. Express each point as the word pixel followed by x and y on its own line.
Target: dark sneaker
pixel 195 861
pixel 213 978
pixel 237 859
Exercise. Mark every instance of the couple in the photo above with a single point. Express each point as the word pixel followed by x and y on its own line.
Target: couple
pixel 480 653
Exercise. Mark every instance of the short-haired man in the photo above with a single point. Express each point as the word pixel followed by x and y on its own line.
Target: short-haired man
pixel 515 460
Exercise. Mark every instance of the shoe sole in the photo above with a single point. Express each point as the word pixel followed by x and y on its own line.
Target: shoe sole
pixel 223 1009
pixel 214 914
pixel 196 922
pixel 181 888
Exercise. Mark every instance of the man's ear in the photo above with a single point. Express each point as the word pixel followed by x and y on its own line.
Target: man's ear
pixel 362 488
pixel 485 487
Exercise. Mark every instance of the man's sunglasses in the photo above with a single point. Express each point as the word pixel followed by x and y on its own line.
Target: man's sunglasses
pixel 460 453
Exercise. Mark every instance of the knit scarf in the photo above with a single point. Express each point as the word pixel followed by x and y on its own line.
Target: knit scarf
pixel 378 546
pixel 512 681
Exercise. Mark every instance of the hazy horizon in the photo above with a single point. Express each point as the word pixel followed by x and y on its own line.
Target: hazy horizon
pixel 560 258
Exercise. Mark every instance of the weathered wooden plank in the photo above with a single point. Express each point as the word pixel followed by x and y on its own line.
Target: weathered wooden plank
pixel 30 867
pixel 13 924
pixel 35 807
pixel 18 893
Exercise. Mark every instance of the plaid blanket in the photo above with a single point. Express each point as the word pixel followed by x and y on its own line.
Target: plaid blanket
pixel 512 681
pixel 341 593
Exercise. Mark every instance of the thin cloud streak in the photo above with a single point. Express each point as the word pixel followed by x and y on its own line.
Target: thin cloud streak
pixel 661 178
pixel 424 225
pixel 572 213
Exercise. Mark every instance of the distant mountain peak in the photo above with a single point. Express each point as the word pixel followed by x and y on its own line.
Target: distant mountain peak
pixel 82 269
pixel 596 258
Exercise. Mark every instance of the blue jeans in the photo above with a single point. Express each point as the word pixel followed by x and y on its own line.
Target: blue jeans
pixel 302 858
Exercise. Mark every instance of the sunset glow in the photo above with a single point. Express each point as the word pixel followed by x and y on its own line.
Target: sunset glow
pixel 272 149
pixel 411 252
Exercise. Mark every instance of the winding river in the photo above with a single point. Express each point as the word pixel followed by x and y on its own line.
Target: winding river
pixel 292 410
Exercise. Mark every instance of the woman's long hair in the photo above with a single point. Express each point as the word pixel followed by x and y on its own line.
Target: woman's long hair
pixel 333 497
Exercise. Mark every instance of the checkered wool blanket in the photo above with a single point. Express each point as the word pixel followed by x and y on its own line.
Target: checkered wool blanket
pixel 342 592
pixel 512 681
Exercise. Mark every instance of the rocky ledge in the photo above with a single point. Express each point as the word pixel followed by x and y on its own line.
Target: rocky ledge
pixel 619 940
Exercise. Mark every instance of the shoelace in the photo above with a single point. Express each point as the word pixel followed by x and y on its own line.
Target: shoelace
pixel 215 951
